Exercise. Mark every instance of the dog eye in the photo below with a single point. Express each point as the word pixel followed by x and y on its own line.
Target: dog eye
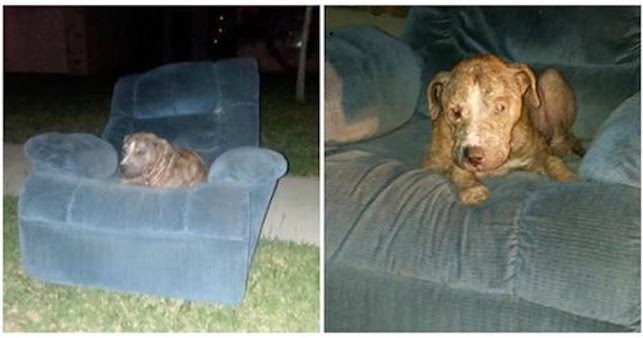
pixel 139 152
pixel 456 113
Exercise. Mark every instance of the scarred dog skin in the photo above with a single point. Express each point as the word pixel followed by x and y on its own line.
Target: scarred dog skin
pixel 490 117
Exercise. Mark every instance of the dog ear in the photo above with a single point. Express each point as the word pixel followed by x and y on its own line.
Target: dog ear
pixel 528 83
pixel 434 92
pixel 126 139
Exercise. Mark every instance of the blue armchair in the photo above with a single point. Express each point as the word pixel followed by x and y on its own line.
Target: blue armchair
pixel 80 226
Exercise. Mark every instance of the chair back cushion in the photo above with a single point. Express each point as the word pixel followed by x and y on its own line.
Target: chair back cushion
pixel 596 48
pixel 203 106
pixel 176 90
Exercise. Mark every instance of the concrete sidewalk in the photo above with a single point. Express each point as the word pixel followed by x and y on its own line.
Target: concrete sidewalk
pixel 293 214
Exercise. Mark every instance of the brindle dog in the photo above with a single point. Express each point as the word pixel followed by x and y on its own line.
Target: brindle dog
pixel 151 161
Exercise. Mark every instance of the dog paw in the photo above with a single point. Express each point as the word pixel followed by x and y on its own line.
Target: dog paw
pixel 569 176
pixel 561 149
pixel 557 169
pixel 474 195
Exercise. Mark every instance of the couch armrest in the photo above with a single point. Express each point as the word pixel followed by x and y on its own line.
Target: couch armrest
pixel 573 247
pixel 79 154
pixel 250 166
pixel 615 154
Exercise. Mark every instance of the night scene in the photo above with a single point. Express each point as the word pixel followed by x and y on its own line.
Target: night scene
pixel 161 169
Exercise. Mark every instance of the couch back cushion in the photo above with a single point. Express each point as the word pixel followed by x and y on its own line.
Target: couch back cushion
pixel 596 48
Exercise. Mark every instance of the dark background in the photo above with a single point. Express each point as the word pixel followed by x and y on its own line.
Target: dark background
pixel 122 40
pixel 61 65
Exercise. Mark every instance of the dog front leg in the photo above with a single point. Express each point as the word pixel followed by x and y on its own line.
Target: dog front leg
pixel 138 180
pixel 470 190
pixel 556 168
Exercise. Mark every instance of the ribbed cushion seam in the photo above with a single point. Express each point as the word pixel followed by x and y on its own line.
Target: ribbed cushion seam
pixel 127 232
pixel 71 202
pixel 451 287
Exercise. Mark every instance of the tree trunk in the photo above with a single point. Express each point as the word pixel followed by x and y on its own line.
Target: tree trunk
pixel 301 70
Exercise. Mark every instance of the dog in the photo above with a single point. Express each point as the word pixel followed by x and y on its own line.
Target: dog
pixel 151 161
pixel 490 117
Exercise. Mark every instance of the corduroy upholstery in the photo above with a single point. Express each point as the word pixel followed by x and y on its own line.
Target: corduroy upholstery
pixel 80 226
pixel 402 254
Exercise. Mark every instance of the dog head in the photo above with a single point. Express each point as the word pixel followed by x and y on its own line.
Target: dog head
pixel 141 151
pixel 481 100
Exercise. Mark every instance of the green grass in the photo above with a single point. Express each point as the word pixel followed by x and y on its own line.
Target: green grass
pixel 291 127
pixel 282 295
pixel 36 104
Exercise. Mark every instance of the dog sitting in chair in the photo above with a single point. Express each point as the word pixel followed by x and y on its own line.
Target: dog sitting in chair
pixel 151 161
pixel 490 117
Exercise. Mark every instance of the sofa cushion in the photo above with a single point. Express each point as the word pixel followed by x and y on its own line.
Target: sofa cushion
pixel 372 82
pixel 615 154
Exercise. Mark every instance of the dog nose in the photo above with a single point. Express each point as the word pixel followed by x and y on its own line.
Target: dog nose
pixel 474 155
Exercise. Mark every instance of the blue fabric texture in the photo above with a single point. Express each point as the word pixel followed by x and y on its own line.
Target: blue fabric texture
pixel 614 156
pixel 402 254
pixel 380 78
pixel 80 226
pixel 74 154
pixel 248 165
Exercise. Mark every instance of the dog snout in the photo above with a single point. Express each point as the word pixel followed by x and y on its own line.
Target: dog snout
pixel 126 169
pixel 473 156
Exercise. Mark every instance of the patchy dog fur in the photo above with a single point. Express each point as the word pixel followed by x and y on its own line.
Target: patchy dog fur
pixel 490 117
pixel 152 161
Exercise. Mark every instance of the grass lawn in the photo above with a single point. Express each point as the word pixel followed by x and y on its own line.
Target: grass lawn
pixel 282 295
pixel 39 103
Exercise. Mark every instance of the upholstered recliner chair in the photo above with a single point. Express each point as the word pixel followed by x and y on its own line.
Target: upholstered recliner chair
pixel 401 252
pixel 80 226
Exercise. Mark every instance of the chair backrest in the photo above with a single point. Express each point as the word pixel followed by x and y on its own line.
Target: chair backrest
pixel 204 106
pixel 596 48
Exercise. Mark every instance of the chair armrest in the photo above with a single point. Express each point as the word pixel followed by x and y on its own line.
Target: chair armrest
pixel 250 166
pixel 573 247
pixel 372 84
pixel 78 154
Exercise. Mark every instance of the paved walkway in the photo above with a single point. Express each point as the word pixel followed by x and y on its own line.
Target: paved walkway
pixel 293 214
